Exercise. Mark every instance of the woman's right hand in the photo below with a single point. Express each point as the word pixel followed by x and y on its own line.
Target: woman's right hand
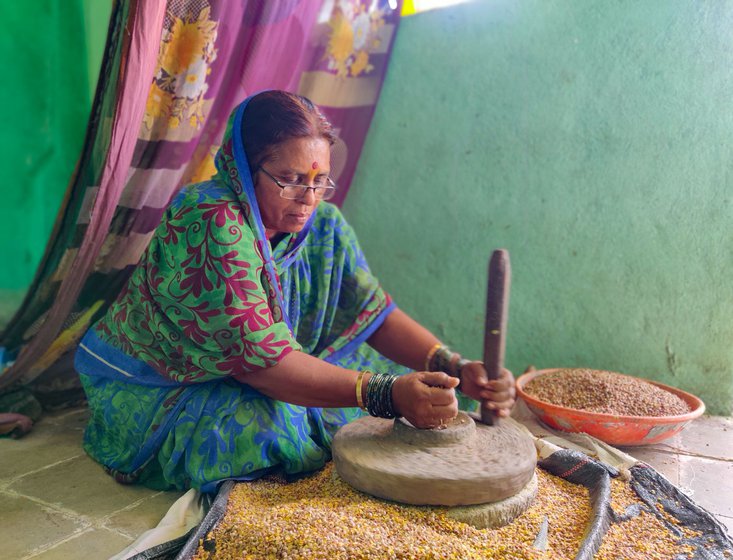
pixel 426 399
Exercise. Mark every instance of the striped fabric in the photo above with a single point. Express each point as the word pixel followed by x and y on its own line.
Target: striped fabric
pixel 172 73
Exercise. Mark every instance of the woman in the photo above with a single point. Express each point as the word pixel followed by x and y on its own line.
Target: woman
pixel 252 328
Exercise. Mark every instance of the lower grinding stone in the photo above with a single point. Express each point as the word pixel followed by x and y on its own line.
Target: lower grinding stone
pixel 463 464
pixel 497 514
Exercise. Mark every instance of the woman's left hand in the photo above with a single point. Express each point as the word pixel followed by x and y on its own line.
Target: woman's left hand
pixel 497 394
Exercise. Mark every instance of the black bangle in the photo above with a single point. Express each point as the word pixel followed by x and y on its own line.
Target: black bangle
pixel 440 360
pixel 443 360
pixel 379 401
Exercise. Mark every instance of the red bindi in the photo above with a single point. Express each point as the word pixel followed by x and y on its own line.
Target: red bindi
pixel 314 165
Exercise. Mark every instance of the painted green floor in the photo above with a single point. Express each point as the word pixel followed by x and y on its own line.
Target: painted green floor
pixel 58 504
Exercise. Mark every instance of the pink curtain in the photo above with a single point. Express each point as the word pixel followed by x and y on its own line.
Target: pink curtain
pixel 172 74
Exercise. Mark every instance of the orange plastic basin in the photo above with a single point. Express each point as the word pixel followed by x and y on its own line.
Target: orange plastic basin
pixel 613 429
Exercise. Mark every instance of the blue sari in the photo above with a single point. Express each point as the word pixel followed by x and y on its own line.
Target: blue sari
pixel 212 299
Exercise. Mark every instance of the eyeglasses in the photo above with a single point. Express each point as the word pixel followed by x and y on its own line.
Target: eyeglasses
pixel 323 188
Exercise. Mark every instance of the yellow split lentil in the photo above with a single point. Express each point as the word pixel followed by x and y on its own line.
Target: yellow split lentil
pixel 643 536
pixel 321 517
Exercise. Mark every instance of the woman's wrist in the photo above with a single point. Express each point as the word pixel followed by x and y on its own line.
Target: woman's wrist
pixel 361 387
pixel 378 400
pixel 442 358
pixel 431 353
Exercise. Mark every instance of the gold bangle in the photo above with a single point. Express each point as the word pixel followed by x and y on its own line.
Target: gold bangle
pixel 359 400
pixel 430 355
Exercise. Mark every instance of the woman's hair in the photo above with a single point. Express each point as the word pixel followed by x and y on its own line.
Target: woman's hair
pixel 273 117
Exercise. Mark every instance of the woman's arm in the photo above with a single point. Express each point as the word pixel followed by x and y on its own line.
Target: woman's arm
pixel 426 399
pixel 403 340
pixel 304 380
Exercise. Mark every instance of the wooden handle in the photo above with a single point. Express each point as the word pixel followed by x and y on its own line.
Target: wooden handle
pixel 497 311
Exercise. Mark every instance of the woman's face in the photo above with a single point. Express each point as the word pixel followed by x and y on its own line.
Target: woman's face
pixel 295 161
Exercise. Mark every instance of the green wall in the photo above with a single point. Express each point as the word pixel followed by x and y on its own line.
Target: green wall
pixel 51 55
pixel 593 141
pixel 44 106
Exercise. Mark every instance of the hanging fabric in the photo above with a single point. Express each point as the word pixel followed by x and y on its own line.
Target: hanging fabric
pixel 171 75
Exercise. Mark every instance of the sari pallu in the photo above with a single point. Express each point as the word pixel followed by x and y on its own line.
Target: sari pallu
pixel 211 300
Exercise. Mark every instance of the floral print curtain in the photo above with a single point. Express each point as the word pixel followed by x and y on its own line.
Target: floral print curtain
pixel 171 75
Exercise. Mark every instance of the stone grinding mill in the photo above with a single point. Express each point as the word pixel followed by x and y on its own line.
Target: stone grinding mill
pixel 482 467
